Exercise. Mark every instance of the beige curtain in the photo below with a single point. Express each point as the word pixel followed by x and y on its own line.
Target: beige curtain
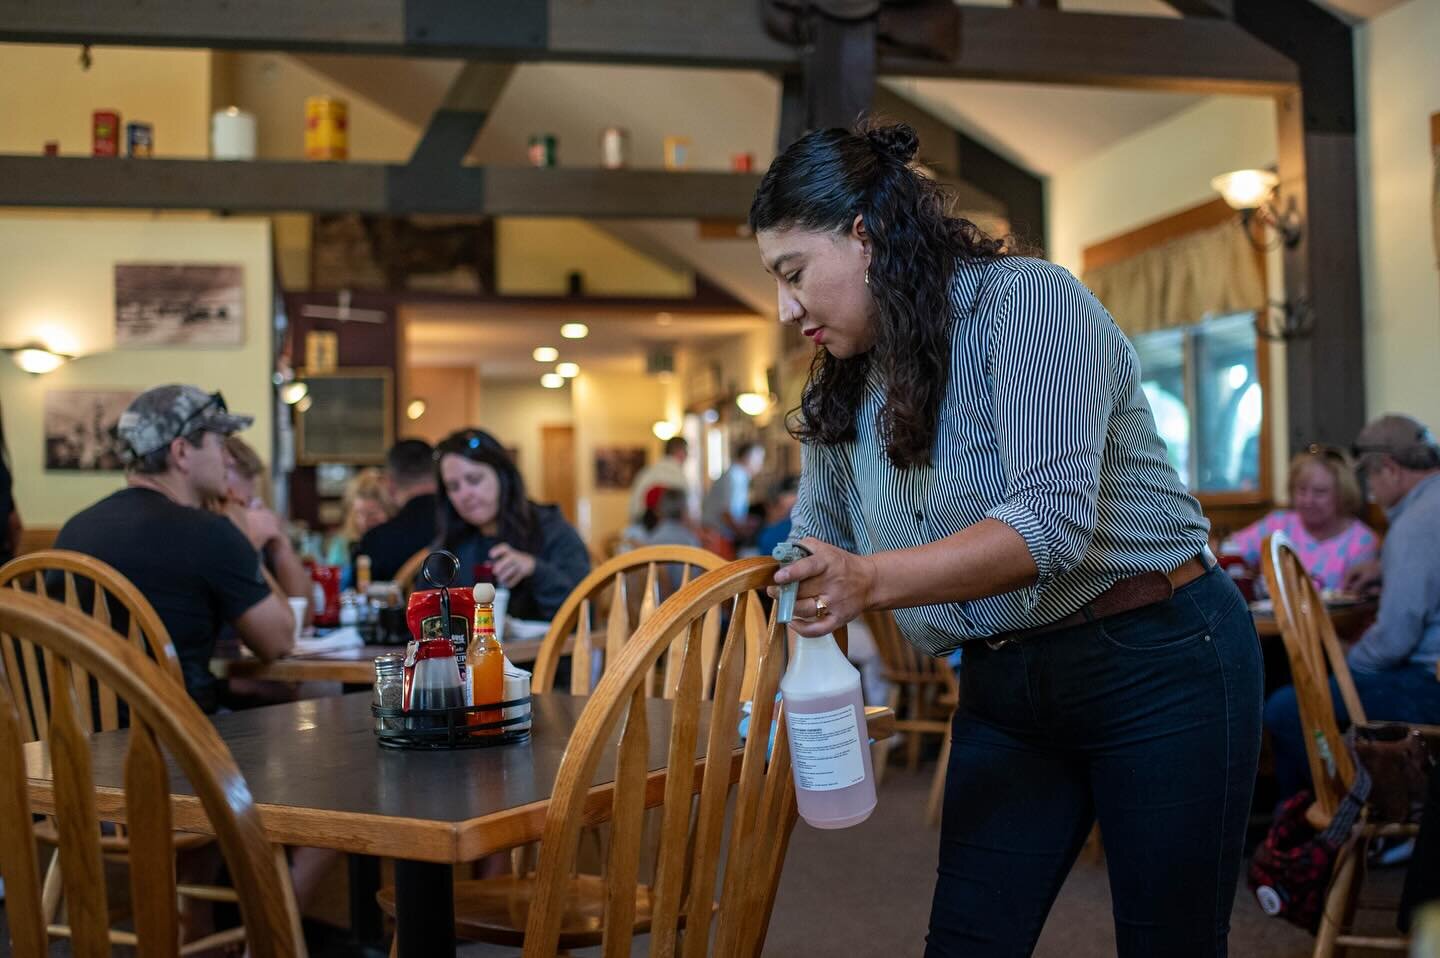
pixel 1181 282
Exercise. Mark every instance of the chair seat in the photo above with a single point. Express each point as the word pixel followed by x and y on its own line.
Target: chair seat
pixel 495 910
pixel 46 834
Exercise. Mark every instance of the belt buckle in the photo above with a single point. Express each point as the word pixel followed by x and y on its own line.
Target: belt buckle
pixel 996 645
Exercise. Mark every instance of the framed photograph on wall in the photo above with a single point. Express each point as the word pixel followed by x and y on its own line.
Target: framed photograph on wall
pixel 79 428
pixel 617 466
pixel 346 417
pixel 179 304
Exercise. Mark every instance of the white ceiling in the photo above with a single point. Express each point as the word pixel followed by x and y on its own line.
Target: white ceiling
pixel 500 347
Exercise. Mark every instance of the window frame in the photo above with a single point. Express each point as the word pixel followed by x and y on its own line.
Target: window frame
pixel 1164 230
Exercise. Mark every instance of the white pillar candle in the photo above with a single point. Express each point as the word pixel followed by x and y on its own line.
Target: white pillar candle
pixel 232 134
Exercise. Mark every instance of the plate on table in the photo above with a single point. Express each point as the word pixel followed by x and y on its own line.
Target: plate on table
pixel 1339 597
pixel 1262 607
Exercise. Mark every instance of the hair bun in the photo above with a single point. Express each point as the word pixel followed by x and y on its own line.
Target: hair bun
pixel 898 140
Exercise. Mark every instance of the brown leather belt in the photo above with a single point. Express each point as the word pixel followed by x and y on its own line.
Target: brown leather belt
pixel 1127 595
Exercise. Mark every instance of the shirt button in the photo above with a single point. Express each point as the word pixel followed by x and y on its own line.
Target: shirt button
pixel 919 516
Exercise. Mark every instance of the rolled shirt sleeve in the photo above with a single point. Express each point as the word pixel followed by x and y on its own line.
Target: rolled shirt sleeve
pixel 1407 596
pixel 1051 361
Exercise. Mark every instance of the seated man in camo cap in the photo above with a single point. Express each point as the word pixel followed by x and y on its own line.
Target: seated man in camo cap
pixel 198 569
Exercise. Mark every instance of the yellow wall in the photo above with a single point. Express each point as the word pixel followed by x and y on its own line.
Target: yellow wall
pixel 1160 171
pixel 534 257
pixel 1399 88
pixel 452 400
pixel 618 410
pixel 58 283
pixel 514 412
pixel 46 95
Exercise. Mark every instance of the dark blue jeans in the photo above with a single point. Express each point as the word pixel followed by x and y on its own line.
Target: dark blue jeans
pixel 1407 694
pixel 1148 721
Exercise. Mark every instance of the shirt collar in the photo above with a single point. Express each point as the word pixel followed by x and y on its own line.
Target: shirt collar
pixel 1411 497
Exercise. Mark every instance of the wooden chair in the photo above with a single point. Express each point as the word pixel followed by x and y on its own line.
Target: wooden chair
pixel 1311 645
pixel 405 577
pixel 493 909
pixel 71 648
pixel 923 695
pixel 100 712
pixel 682 895
pixel 610 591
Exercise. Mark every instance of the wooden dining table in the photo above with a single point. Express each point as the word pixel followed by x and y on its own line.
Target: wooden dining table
pixel 1348 618
pixel 320 779
pixel 353 666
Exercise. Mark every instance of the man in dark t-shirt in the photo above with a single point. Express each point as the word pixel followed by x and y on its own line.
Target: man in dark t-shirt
pixel 410 470
pixel 197 568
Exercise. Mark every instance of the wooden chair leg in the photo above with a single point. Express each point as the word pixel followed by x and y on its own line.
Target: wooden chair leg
pixel 292 907
pixel 937 784
pixel 50 891
pixel 880 755
pixel 912 739
pixel 1336 900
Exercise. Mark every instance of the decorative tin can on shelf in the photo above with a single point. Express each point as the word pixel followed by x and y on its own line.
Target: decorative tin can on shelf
pixel 614 148
pixel 677 152
pixel 326 128
pixel 232 134
pixel 105 133
pixel 139 140
pixel 543 150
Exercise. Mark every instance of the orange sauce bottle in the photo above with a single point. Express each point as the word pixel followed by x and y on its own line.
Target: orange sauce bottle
pixel 485 660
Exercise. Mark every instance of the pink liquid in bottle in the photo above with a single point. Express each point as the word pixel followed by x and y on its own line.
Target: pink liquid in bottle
pixel 829 743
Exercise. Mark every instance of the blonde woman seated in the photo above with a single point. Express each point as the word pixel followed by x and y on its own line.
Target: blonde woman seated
pixel 367 504
pixel 1324 501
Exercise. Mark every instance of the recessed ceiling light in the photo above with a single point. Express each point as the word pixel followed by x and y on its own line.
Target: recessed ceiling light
pixel 552 380
pixel 546 354
pixel 574 330
pixel 568 370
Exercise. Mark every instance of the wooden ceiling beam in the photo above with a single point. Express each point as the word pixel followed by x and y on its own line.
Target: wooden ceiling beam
pixel 1208 54
pixel 279 186
pixel 1203 8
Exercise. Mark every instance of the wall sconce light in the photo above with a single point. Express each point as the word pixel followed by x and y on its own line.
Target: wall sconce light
pixel 665 430
pixel 753 404
pixel 416 409
pixel 294 391
pixel 37 359
pixel 1252 194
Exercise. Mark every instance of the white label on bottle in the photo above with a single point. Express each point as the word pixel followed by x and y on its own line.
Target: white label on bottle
pixel 825 749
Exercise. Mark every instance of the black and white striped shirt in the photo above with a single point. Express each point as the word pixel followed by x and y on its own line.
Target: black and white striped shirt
pixel 1044 427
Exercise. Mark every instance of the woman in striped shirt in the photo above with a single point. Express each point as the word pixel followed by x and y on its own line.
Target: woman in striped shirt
pixel 979 457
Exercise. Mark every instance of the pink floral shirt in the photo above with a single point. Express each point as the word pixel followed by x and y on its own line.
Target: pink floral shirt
pixel 1326 559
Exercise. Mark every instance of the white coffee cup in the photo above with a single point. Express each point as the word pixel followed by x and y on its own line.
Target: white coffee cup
pixel 298 605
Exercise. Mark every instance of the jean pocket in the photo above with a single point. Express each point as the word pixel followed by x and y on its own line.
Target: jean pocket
pixel 1164 626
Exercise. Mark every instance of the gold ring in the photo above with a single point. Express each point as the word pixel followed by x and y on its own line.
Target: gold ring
pixel 820 607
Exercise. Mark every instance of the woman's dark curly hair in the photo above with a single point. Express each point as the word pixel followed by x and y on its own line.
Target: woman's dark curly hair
pixel 820 184
pixel 519 525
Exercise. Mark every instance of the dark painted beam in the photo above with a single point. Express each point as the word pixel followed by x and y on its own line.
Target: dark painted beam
pixel 1048 46
pixel 1325 369
pixel 461 114
pixel 273 186
pixel 1203 8
pixel 1022 192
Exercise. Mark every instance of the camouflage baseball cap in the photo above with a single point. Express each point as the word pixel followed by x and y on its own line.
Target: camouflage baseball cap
pixel 163 414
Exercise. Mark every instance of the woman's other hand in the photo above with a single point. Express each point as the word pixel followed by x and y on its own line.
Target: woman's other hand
pixel 842 581
pixel 511 565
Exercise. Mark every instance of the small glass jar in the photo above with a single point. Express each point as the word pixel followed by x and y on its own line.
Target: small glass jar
pixel 389 687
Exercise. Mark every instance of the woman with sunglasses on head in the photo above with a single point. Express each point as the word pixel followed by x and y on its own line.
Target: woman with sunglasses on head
pixel 979 457
pixel 485 517
pixel 1322 520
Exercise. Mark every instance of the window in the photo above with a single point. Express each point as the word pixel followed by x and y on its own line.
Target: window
pixel 1203 385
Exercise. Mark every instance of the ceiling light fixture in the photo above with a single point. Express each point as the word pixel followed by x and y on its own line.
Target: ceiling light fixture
pixel 665 430
pixel 416 409
pixel 574 330
pixel 546 354
pixel 552 380
pixel 568 370
pixel 37 359
pixel 753 404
